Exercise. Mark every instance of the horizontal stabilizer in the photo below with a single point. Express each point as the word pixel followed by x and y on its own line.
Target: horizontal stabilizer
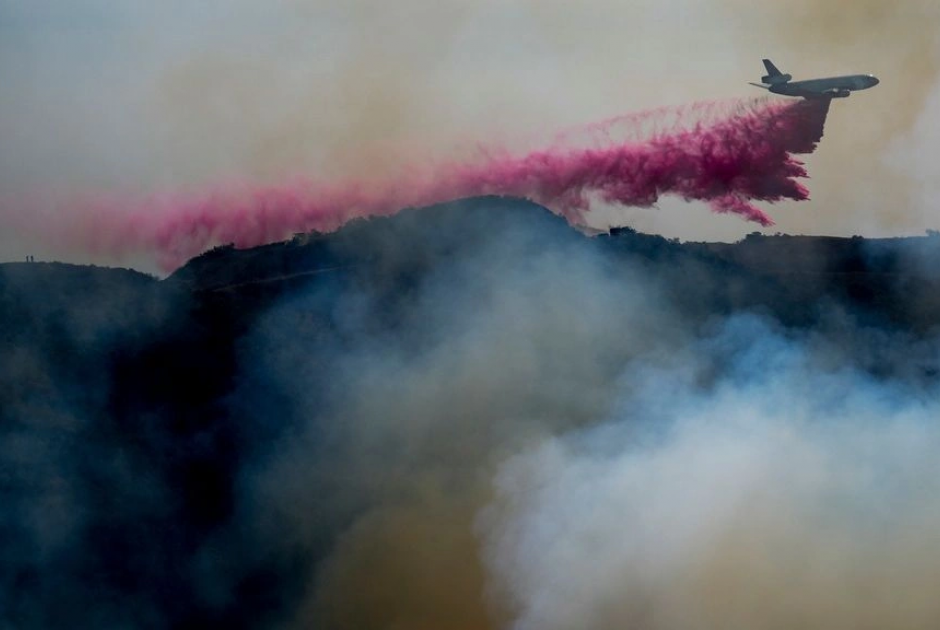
pixel 760 85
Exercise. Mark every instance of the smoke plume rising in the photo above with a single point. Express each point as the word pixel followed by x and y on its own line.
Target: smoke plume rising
pixel 473 417
pixel 798 495
pixel 556 441
pixel 728 155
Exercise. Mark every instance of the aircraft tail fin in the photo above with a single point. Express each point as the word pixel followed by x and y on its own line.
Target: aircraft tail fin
pixel 772 70
pixel 774 76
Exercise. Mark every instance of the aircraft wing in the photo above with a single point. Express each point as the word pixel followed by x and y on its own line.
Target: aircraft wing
pixel 827 93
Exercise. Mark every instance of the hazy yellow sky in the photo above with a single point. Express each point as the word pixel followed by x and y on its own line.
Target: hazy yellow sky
pixel 141 96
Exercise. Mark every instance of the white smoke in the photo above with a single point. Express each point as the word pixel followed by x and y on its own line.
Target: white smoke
pixel 775 493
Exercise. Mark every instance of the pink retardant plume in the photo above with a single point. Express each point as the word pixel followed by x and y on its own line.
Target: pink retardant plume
pixel 731 156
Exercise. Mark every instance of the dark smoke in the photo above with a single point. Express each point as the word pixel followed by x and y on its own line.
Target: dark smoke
pixel 473 416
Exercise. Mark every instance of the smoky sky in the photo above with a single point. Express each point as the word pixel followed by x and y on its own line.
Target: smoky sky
pixel 729 154
pixel 491 423
pixel 140 99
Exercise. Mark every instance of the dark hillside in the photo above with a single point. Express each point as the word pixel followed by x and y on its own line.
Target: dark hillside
pixel 136 413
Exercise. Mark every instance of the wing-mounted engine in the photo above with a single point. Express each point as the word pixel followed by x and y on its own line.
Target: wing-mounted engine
pixel 775 79
pixel 838 93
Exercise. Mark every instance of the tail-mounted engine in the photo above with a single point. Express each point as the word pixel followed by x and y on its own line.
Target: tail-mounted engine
pixel 775 79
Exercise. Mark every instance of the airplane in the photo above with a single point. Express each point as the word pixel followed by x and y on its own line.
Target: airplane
pixel 831 87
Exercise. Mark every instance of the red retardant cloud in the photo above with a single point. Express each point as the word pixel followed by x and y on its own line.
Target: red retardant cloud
pixel 741 154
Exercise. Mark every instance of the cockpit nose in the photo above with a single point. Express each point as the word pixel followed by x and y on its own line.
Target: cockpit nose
pixel 872 80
